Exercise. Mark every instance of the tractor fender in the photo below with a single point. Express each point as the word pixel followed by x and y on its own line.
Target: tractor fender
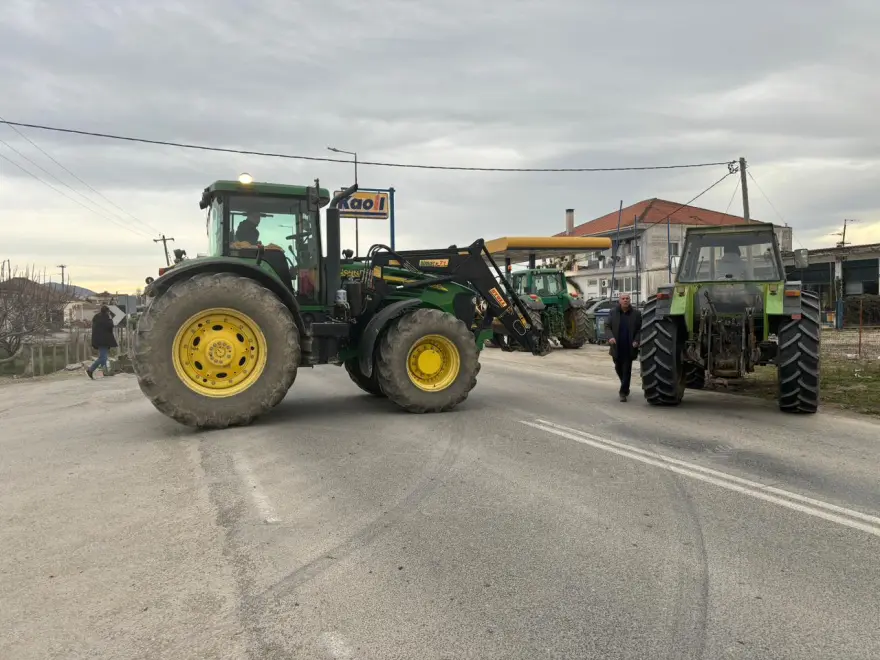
pixel 664 302
pixel 185 271
pixel 374 327
pixel 530 303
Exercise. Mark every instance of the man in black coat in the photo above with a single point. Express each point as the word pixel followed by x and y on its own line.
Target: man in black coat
pixel 623 327
pixel 102 338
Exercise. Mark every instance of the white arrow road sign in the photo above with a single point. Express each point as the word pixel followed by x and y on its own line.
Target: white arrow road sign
pixel 118 314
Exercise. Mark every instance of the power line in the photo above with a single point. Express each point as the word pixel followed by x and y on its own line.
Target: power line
pixel 730 203
pixel 730 172
pixel 72 199
pixel 246 152
pixel 54 160
pixel 767 199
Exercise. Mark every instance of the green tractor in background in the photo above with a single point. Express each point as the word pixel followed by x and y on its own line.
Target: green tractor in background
pixel 564 316
pixel 221 337
pixel 729 310
pixel 561 309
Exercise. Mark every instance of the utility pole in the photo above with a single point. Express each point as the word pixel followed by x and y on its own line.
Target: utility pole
pixel 164 242
pixel 745 189
pixel 843 235
pixel 62 267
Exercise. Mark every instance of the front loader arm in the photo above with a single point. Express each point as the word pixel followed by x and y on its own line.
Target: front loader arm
pixel 466 266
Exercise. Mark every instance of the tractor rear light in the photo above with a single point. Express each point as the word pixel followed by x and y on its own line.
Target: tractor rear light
pixel 533 296
pixel 663 296
pixel 162 271
pixel 792 293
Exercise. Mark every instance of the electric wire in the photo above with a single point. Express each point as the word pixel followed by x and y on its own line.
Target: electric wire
pixel 97 192
pixel 325 159
pixel 137 232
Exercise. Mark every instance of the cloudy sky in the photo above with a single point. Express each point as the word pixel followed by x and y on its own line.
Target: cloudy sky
pixel 789 84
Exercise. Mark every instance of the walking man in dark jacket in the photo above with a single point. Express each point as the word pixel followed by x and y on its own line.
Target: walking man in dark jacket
pixel 102 338
pixel 622 327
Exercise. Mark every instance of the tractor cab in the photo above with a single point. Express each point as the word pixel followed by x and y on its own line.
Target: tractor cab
pixel 545 283
pixel 731 265
pixel 272 223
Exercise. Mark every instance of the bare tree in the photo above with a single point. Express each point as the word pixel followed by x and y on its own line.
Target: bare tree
pixel 30 307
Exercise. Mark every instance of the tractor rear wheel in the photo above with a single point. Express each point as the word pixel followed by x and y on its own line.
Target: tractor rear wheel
pixel 576 328
pixel 427 361
pixel 216 350
pixel 662 368
pixel 798 359
pixel 369 385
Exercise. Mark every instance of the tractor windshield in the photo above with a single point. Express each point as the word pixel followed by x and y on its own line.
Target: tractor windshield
pixel 285 226
pixel 549 284
pixel 738 256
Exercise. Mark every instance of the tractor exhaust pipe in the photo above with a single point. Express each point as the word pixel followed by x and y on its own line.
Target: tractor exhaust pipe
pixel 333 263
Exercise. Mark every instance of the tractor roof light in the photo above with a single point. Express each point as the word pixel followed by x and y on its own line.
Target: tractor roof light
pixel 245 178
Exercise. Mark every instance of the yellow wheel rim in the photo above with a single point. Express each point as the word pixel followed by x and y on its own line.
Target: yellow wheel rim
pixel 219 352
pixel 433 363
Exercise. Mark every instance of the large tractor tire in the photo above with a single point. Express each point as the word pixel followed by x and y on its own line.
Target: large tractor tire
pixel 660 358
pixel 216 350
pixel 369 385
pixel 427 361
pixel 798 359
pixel 577 325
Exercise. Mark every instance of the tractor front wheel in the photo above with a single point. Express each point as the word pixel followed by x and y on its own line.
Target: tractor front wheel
pixel 662 369
pixel 427 361
pixel 216 350
pixel 798 359
pixel 577 325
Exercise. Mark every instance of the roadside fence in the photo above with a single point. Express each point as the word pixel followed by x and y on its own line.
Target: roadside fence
pixel 65 350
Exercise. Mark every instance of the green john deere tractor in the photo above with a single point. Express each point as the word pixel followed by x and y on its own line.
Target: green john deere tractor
pixel 729 310
pixel 222 336
pixel 563 313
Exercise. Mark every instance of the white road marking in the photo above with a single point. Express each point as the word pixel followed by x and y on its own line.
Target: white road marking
pixel 335 645
pixel 793 501
pixel 261 501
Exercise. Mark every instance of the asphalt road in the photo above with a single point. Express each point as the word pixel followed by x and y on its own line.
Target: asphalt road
pixel 541 519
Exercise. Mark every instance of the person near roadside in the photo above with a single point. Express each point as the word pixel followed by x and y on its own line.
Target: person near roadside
pixel 102 339
pixel 622 327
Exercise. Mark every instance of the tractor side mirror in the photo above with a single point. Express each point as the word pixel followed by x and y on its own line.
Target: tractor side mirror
pixel 801 258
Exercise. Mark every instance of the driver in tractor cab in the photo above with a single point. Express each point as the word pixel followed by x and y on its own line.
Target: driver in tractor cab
pixel 247 231
pixel 731 265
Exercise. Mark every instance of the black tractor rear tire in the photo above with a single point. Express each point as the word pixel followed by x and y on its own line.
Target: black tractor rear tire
pixel 369 385
pixel 394 353
pixel 798 359
pixel 660 358
pixel 577 318
pixel 154 350
pixel 695 376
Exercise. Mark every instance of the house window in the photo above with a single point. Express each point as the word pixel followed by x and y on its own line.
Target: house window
pixel 592 282
pixel 673 249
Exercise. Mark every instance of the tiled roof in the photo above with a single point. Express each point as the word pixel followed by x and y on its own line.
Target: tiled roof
pixel 650 211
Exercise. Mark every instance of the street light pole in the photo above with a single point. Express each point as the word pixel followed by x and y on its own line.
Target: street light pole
pixel 356 220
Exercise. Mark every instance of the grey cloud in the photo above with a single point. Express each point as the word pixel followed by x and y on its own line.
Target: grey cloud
pixel 525 83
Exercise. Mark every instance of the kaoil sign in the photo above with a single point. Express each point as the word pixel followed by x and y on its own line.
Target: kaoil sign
pixel 365 204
